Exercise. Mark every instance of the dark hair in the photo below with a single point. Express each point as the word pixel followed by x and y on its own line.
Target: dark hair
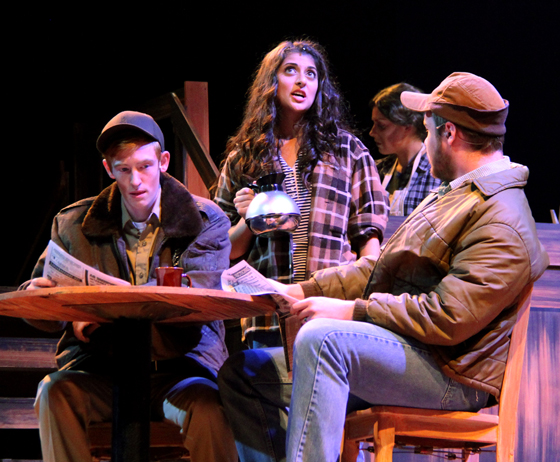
pixel 486 144
pixel 256 144
pixel 388 101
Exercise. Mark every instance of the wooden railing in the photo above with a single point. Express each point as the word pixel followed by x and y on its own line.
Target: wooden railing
pixel 196 150
pixel 188 112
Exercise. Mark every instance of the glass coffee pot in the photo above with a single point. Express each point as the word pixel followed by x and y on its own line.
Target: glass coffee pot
pixel 272 211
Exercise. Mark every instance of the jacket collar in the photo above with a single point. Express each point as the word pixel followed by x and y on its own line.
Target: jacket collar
pixel 514 177
pixel 180 216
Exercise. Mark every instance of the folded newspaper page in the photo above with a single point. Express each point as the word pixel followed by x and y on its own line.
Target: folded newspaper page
pixel 243 278
pixel 66 270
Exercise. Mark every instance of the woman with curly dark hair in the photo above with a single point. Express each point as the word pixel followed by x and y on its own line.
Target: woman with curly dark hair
pixel 295 123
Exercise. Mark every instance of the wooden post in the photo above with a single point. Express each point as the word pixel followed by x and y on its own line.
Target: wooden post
pixel 196 104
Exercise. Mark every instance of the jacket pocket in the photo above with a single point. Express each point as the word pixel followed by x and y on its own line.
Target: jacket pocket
pixel 202 254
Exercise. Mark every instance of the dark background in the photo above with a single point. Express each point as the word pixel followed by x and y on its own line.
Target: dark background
pixel 69 70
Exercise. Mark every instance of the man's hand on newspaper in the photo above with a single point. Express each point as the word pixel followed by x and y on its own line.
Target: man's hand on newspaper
pixel 323 307
pixel 292 290
pixel 40 283
pixel 83 330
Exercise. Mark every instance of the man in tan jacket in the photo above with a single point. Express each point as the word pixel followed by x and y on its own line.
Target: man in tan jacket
pixel 427 324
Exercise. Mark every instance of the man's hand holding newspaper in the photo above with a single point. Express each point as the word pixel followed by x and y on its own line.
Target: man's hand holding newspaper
pixel 64 270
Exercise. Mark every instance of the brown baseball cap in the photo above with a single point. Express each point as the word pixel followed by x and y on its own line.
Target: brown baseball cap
pixel 465 99
pixel 129 120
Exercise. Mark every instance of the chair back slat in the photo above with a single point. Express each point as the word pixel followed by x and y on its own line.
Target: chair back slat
pixel 509 396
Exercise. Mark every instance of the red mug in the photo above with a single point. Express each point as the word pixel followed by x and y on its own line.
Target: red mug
pixel 171 276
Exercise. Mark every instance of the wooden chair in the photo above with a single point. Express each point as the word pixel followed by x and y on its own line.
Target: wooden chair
pixel 166 442
pixel 427 428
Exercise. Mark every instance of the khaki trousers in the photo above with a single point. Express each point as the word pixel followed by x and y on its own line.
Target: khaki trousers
pixel 67 401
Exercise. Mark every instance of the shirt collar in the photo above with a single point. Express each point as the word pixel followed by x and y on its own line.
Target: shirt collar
pixel 485 170
pixel 155 215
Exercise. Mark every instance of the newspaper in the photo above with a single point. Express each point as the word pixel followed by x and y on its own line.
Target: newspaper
pixel 243 278
pixel 66 270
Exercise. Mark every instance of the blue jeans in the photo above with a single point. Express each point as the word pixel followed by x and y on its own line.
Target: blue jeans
pixel 339 367
pixel 255 391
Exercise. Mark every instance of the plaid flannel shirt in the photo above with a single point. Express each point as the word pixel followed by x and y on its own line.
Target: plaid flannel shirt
pixel 422 180
pixel 348 207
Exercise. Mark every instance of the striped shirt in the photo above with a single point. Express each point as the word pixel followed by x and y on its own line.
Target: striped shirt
pixel 295 188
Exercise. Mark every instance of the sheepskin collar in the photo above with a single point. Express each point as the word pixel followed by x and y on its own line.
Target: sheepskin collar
pixel 180 216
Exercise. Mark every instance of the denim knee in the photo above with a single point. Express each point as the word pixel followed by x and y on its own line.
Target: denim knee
pixel 313 334
pixel 231 371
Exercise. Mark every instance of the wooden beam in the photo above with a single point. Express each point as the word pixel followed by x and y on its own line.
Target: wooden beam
pixel 194 146
pixel 196 108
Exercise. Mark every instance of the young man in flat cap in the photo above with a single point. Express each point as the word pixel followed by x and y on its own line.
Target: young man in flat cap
pixel 427 324
pixel 144 218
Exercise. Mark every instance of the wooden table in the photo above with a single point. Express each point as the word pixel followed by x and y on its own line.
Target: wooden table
pixel 132 310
